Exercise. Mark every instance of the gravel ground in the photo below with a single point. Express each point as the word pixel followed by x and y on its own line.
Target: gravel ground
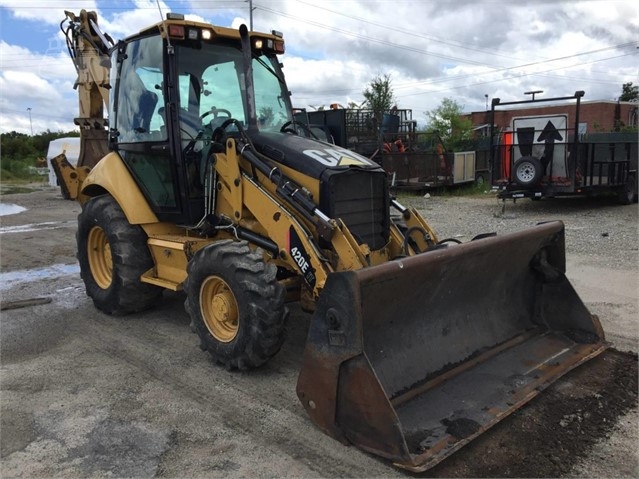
pixel 602 245
pixel 596 228
pixel 90 395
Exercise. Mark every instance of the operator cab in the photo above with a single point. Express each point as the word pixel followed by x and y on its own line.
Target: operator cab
pixel 171 97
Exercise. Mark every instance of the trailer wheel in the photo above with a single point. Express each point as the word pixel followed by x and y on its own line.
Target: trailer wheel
pixel 236 304
pixel 528 171
pixel 113 254
pixel 627 194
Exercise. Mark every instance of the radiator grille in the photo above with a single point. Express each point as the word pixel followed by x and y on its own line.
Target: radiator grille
pixel 360 199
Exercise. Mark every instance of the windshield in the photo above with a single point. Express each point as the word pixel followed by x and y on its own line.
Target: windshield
pixel 211 89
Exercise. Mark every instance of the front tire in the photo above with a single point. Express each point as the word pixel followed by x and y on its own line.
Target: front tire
pixel 113 254
pixel 236 304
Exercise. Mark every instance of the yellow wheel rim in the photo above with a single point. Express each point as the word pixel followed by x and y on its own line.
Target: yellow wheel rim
pixel 100 259
pixel 219 309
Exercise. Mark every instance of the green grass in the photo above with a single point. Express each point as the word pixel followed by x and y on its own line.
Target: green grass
pixel 471 189
pixel 12 189
pixel 468 189
pixel 9 186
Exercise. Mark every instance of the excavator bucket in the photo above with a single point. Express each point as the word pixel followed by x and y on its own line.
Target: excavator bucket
pixel 412 359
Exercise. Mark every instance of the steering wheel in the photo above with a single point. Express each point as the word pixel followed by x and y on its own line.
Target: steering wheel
pixel 215 112
pixel 285 129
pixel 219 132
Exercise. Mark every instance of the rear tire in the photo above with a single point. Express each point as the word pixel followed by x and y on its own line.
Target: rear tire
pixel 236 304
pixel 527 171
pixel 113 254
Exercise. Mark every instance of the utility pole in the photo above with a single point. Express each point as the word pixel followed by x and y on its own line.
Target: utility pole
pixel 533 93
pixel 30 122
pixel 250 2
pixel 486 96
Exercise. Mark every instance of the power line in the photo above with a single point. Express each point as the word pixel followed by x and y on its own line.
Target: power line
pixel 410 32
pixel 405 85
pixel 401 86
pixel 503 79
pixel 367 38
pixel 47 6
pixel 428 53
pixel 457 87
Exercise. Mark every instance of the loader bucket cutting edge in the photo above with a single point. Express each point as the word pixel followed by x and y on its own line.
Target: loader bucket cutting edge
pixel 412 359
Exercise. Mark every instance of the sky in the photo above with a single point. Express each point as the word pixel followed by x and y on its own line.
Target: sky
pixel 469 51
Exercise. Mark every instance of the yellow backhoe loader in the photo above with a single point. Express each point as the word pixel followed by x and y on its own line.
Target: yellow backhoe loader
pixel 202 181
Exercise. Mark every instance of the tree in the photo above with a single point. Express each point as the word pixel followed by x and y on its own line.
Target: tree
pixel 629 92
pixel 379 95
pixel 447 121
pixel 266 116
pixel 21 151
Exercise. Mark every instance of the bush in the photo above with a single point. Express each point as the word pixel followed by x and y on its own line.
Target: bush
pixel 20 153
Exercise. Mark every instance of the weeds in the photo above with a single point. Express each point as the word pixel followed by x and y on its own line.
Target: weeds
pixel 468 189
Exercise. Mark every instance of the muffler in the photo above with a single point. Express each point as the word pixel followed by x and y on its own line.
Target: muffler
pixel 412 359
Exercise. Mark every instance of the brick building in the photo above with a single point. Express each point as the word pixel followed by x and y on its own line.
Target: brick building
pixel 594 116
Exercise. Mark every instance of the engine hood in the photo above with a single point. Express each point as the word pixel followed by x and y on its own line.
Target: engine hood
pixel 307 155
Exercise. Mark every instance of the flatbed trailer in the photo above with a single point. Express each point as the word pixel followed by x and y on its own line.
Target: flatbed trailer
pixel 546 156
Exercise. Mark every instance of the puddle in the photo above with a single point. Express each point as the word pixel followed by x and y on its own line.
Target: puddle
pixel 10 209
pixel 49 225
pixel 13 278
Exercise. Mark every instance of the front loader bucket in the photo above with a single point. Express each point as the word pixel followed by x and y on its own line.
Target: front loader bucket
pixel 412 359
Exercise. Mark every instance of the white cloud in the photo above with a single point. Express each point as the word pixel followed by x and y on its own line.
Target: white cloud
pixel 48 15
pixel 43 83
pixel 463 49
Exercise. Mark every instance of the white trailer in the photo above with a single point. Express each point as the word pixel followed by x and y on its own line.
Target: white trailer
pixel 70 146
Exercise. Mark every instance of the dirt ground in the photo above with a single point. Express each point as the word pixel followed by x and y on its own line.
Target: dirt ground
pixel 84 394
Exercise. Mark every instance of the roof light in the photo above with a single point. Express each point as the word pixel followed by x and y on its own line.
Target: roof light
pixel 277 34
pixel 174 16
pixel 268 45
pixel 176 31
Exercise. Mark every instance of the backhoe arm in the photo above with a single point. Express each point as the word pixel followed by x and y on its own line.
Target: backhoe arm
pixel 89 51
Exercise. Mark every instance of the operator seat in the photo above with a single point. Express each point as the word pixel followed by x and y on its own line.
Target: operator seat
pixel 136 109
pixel 146 108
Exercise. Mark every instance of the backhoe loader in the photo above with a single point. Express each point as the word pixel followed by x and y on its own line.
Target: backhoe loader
pixel 201 181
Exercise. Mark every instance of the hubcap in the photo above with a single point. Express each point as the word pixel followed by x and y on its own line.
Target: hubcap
pixel 526 172
pixel 219 309
pixel 100 259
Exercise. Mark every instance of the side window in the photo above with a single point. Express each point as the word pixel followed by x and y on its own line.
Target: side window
pixel 154 177
pixel 139 115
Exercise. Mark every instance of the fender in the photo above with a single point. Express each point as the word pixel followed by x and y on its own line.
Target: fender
pixel 112 175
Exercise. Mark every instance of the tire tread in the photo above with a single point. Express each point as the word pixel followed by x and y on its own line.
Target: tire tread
pixel 264 314
pixel 130 254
